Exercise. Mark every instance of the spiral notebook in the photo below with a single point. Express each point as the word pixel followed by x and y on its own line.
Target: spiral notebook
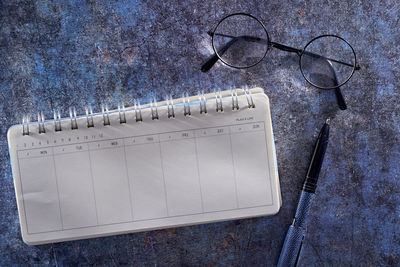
pixel 179 162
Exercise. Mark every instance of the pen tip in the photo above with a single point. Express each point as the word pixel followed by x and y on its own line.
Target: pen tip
pixel 328 120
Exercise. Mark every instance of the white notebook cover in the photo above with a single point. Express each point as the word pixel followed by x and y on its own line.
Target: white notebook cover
pixel 138 176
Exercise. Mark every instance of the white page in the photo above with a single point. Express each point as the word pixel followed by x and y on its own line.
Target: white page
pixel 145 175
pixel 75 186
pixel 146 180
pixel 251 168
pixel 111 185
pixel 41 201
pixel 216 169
pixel 181 177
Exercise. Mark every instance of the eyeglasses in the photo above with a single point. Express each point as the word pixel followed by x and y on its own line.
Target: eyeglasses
pixel 241 41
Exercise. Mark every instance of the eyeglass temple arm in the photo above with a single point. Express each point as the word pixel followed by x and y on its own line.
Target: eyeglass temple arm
pixel 214 58
pixel 357 67
pixel 340 99
pixel 299 52
pixel 338 93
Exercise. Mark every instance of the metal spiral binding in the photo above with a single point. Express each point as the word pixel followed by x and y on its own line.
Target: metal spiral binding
pixel 186 105
pixel 89 116
pixel 41 123
pixel 57 120
pixel 138 111
pixel 25 125
pixel 249 98
pixel 121 112
pixel 72 115
pixel 170 107
pixel 218 101
pixel 203 103
pixel 153 106
pixel 106 118
pixel 235 101
pixel 154 109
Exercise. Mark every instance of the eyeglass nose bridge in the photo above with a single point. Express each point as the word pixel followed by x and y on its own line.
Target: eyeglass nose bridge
pixel 286 48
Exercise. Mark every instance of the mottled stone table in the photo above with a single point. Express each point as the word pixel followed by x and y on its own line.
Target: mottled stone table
pixel 55 55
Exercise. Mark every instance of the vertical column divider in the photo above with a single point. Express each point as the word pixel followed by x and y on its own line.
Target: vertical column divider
pixel 129 184
pixel 163 175
pixel 233 166
pixel 198 170
pixel 94 190
pixel 58 192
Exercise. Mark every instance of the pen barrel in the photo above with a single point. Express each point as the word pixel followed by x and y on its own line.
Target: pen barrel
pixel 294 237
pixel 291 247
pixel 303 207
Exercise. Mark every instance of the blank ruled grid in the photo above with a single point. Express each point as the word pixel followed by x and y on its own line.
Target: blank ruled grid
pixel 149 177
pixel 88 183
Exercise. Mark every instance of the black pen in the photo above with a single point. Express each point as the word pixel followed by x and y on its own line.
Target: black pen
pixel 295 235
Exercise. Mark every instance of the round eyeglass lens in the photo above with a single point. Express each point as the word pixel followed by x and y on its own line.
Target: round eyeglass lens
pixel 327 62
pixel 240 40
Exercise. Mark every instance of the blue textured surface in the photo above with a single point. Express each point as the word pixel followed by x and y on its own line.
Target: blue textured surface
pixel 59 54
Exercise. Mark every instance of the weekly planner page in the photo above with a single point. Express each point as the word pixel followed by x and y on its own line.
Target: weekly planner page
pixel 149 174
